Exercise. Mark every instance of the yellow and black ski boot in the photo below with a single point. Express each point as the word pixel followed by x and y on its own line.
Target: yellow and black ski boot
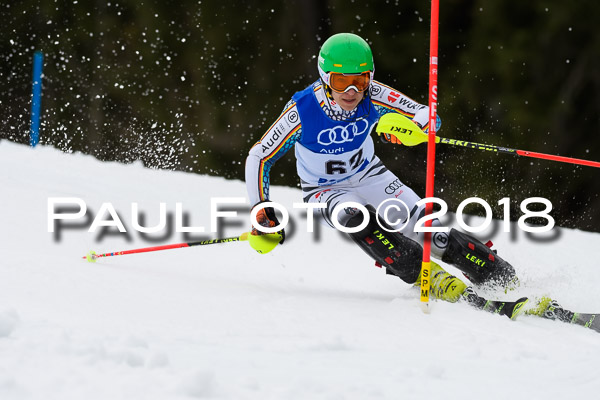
pixel 443 285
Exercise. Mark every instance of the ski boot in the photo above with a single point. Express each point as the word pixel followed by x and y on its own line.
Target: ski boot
pixel 443 285
pixel 449 288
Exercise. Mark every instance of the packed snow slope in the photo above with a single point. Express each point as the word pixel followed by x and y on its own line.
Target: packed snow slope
pixel 313 319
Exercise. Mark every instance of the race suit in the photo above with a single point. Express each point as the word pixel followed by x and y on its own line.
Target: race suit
pixel 335 157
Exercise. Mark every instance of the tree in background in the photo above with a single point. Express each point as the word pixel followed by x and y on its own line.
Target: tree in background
pixel 191 85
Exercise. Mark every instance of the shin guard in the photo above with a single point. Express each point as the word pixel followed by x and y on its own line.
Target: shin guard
pixel 400 255
pixel 477 261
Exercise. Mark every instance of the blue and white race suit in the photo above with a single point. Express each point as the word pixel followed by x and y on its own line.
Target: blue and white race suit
pixel 335 156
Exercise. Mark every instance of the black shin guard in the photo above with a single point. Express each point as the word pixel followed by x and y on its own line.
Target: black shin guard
pixel 400 255
pixel 477 261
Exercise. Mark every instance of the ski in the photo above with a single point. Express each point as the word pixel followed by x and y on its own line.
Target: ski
pixel 511 309
pixel 550 309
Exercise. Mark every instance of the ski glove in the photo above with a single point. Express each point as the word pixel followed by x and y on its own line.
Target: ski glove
pixel 387 138
pixel 266 217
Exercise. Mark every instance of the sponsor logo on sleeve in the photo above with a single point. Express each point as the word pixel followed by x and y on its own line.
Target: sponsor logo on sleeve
pixel 393 97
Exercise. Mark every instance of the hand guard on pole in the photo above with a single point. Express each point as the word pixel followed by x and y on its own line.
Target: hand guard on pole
pixel 389 138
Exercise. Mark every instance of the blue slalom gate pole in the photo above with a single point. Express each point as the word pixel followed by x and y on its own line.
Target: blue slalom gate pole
pixel 36 99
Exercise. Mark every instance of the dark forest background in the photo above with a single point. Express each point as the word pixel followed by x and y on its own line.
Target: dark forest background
pixel 191 85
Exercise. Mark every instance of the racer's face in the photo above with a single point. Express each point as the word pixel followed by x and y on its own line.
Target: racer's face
pixel 348 100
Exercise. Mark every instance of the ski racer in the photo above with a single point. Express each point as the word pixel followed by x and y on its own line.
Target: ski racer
pixel 329 124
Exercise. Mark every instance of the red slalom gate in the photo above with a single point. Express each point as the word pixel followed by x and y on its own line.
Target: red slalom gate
pixel 433 92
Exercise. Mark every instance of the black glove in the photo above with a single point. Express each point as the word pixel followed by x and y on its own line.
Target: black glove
pixel 266 217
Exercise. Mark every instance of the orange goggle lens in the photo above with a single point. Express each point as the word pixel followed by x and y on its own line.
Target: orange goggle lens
pixel 344 82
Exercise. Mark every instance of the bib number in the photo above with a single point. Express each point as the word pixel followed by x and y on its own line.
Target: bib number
pixel 333 167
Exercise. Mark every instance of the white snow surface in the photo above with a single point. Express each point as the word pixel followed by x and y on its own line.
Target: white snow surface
pixel 313 319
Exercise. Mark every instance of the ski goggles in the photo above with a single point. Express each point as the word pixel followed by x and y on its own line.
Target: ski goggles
pixel 341 83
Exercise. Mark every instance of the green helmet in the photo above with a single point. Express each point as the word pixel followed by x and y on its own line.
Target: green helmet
pixel 345 53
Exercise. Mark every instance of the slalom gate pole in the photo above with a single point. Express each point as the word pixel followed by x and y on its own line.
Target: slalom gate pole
pixel 36 99
pixel 92 256
pixel 433 79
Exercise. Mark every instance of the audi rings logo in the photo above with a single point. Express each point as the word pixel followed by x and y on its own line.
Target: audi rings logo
pixel 342 134
pixel 392 187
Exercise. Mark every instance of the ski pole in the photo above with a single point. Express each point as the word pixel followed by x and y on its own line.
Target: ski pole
pixel 411 135
pixel 92 256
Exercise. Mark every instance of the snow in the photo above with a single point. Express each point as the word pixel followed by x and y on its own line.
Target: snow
pixel 313 319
